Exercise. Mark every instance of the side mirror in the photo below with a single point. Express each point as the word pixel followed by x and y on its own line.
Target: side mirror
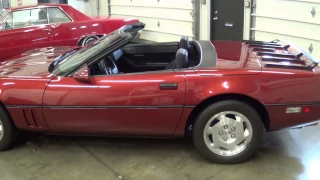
pixel 82 74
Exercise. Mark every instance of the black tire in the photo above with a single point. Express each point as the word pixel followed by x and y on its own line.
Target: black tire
pixel 9 132
pixel 229 105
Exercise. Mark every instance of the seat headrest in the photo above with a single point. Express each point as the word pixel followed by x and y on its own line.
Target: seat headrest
pixel 116 55
pixel 184 43
pixel 182 59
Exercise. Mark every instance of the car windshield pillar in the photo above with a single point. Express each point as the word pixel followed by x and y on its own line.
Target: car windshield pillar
pixel 3 15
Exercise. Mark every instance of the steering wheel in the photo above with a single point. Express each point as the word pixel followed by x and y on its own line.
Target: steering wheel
pixel 110 66
pixel 115 69
pixel 105 66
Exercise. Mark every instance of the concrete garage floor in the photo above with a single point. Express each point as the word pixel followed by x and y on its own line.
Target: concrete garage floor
pixel 292 154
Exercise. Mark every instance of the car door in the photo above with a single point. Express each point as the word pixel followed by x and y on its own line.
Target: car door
pixel 24 30
pixel 149 103
pixel 65 31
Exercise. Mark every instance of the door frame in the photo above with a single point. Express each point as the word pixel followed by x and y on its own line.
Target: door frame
pixel 206 16
pixel 204 20
pixel 211 22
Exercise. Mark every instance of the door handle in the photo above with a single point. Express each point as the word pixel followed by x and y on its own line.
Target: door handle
pixel 168 86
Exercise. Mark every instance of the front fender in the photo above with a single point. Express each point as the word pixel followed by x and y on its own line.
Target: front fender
pixel 22 97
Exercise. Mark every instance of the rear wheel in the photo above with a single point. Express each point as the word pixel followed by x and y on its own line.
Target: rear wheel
pixel 228 132
pixel 7 131
pixel 89 40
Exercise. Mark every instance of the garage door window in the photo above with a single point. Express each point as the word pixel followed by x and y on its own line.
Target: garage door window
pixel 25 18
pixel 57 16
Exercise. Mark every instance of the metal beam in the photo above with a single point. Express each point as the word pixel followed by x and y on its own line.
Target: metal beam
pixel 252 19
pixel 197 20
pixel 109 7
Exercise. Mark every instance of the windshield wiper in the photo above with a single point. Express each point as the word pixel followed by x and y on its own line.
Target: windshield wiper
pixel 60 58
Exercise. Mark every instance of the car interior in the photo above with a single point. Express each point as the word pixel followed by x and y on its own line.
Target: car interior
pixel 135 58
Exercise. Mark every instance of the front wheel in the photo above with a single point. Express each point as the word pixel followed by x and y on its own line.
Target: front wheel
pixel 228 132
pixel 8 132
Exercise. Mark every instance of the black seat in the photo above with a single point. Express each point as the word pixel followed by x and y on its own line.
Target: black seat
pixel 181 60
pixel 116 55
pixel 184 43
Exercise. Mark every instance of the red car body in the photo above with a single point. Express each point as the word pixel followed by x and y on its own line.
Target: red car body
pixel 133 104
pixel 18 40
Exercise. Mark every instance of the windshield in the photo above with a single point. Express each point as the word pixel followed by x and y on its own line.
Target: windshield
pixel 61 58
pixel 85 54
pixel 92 52
pixel 3 14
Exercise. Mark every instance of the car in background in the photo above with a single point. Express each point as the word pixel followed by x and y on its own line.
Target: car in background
pixel 29 27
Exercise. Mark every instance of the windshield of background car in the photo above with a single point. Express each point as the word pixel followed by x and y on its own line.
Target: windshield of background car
pixel 87 53
pixel 3 14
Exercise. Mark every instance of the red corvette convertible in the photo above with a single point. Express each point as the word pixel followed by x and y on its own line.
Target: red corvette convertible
pixel 30 27
pixel 224 94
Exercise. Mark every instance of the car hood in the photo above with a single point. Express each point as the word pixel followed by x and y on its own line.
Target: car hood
pixel 32 63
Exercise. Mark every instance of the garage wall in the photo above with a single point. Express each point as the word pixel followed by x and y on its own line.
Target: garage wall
pixel 4 4
pixel 89 8
pixel 29 2
pixel 292 20
pixel 24 2
pixel 167 20
pixel 13 3
pixel 205 20
pixel 104 10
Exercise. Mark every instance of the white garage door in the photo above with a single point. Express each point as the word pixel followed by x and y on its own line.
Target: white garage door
pixel 166 20
pixel 297 21
pixel 4 4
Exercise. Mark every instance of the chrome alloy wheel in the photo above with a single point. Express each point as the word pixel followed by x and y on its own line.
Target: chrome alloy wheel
pixel 228 133
pixel 90 40
pixel 1 130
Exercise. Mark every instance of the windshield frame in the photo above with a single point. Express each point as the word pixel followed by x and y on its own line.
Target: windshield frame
pixel 97 50
pixel 3 16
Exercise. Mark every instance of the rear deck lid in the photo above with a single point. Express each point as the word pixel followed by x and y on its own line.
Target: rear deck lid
pixel 281 54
